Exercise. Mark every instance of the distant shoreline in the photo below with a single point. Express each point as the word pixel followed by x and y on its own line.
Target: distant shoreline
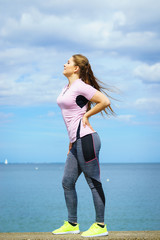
pixel 106 163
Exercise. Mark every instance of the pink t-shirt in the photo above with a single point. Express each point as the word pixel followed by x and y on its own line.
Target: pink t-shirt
pixel 73 102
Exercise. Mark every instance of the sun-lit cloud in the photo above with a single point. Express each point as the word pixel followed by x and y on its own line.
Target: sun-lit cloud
pixel 36 38
pixel 122 30
pixel 126 118
pixel 151 105
pixel 148 73
pixel 121 41
pixel 38 89
pixel 29 76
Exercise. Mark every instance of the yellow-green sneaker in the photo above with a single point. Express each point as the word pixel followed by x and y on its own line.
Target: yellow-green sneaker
pixel 67 228
pixel 95 231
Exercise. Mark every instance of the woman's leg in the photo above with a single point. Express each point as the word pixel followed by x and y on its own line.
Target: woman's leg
pixel 71 173
pixel 88 157
pixel 98 198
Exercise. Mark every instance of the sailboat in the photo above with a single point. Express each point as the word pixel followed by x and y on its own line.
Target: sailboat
pixel 6 161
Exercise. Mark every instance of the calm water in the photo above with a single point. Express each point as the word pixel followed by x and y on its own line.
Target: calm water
pixel 32 200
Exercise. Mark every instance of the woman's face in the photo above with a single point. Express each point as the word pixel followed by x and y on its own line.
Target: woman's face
pixel 69 67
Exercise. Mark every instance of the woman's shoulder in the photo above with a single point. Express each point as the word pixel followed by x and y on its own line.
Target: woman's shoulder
pixel 85 89
pixel 81 83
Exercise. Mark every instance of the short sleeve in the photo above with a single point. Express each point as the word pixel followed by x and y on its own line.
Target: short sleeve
pixel 86 90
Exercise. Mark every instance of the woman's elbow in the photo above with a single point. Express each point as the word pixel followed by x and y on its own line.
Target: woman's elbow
pixel 106 103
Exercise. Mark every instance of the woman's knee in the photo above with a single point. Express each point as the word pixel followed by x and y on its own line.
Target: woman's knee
pixel 68 183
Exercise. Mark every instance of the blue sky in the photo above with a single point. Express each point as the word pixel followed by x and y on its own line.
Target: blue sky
pixel 122 41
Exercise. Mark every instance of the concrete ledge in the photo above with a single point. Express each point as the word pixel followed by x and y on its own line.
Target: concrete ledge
pixel 128 235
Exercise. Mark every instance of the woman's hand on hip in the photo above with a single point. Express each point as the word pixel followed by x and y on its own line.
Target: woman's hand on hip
pixel 85 122
pixel 70 146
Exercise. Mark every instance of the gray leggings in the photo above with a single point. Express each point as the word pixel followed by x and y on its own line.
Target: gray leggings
pixel 83 157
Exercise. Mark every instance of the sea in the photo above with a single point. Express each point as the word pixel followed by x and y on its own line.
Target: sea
pixel 32 198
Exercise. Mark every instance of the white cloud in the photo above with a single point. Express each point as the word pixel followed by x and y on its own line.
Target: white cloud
pixel 30 76
pixel 126 117
pixel 39 89
pixel 148 73
pixel 151 105
pixel 36 37
pixel 111 32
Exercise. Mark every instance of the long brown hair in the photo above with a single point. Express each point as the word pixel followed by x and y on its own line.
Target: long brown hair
pixel 87 76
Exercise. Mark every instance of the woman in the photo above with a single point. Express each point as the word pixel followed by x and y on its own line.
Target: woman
pixel 75 102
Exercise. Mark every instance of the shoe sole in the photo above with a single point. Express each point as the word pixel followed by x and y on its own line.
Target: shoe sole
pixel 70 232
pixel 97 235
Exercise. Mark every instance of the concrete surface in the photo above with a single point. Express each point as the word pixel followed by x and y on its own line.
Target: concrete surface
pixel 128 235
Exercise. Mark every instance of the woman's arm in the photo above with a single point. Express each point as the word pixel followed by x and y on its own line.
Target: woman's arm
pixel 101 103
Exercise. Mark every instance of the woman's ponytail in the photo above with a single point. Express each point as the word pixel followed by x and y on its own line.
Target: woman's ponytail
pixel 87 76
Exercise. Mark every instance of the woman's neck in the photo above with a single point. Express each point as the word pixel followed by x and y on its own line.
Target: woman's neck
pixel 72 79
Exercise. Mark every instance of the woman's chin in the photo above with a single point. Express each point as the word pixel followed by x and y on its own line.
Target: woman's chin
pixel 65 74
